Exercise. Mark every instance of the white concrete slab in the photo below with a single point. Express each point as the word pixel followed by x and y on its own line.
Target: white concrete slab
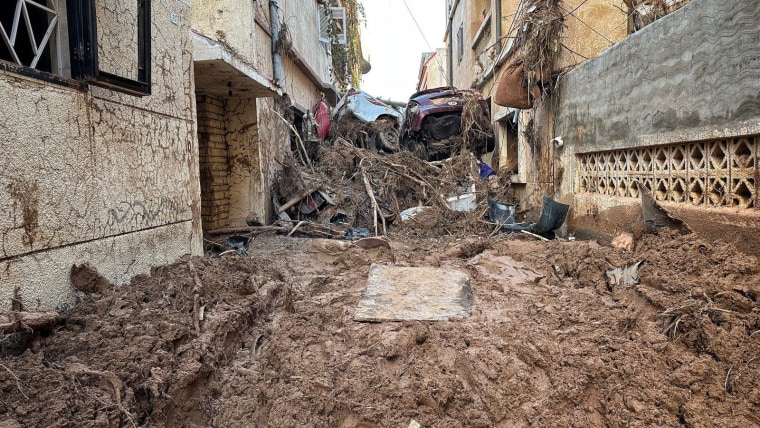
pixel 398 293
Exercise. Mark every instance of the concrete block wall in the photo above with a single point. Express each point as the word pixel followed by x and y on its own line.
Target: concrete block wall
pixel 213 159
pixel 693 75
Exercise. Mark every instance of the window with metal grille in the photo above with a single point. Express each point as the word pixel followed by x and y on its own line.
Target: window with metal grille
pixel 94 42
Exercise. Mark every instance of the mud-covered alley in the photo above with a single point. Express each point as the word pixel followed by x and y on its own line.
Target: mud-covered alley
pixel 220 214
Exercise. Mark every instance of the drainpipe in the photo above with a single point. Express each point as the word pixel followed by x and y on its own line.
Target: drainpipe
pixel 274 17
pixel 451 45
pixel 497 14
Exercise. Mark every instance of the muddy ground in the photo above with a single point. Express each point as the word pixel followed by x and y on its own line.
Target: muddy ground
pixel 548 342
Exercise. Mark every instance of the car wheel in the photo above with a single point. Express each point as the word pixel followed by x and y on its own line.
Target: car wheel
pixel 388 140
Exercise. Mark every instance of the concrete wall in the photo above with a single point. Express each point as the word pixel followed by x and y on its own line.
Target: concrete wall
pixel 97 176
pixel 692 75
pixel 231 22
pixel 301 18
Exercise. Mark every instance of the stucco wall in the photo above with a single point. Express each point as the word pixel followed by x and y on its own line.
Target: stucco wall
pixel 245 179
pixel 274 146
pixel 299 87
pixel 692 75
pixel 97 176
pixel 301 18
pixel 230 22
pixel 594 25
pixel 464 70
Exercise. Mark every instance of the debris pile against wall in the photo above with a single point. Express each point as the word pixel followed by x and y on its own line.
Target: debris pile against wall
pixel 530 63
pixel 644 12
pixel 356 188
pixel 348 184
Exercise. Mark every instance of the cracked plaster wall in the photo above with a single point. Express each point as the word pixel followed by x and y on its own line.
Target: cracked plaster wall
pixel 98 176
pixel 244 161
pixel 274 145
pixel 301 19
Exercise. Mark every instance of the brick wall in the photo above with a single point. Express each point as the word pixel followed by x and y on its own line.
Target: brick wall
pixel 214 165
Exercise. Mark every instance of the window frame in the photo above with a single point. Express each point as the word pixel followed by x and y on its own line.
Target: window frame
pixel 326 16
pixel 81 20
pixel 83 32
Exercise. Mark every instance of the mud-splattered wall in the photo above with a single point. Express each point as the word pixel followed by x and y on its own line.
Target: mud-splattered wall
pixel 98 176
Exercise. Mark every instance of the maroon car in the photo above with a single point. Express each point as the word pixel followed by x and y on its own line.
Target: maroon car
pixel 434 116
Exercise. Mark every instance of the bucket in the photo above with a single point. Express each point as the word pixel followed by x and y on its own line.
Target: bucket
pixel 500 213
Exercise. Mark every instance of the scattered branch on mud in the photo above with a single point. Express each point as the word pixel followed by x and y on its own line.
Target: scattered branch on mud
pixel 198 309
pixel 18 383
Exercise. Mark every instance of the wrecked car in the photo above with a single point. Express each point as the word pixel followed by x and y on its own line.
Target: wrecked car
pixel 435 117
pixel 378 123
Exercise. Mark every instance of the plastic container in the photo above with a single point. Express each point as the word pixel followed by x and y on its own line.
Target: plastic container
pixel 465 202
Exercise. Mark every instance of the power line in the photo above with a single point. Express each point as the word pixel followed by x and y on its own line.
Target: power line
pixel 430 48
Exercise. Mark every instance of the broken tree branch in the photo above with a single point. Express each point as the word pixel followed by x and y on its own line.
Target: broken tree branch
pixel 371 195
pixel 534 235
pixel 296 199
pixel 298 138
pixel 296 227
pixel 249 229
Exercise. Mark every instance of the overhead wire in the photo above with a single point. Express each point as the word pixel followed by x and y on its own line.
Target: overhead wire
pixel 430 48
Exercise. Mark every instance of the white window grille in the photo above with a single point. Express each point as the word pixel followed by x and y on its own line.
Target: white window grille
pixel 61 38
pixel 32 35
pixel 332 25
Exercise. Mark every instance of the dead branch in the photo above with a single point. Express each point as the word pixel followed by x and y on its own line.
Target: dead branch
pixel 296 199
pixel 248 229
pixel 372 199
pixel 300 223
pixel 298 138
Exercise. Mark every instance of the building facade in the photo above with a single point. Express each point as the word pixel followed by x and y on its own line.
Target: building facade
pixel 433 72
pixel 99 160
pixel 130 127
pixel 257 63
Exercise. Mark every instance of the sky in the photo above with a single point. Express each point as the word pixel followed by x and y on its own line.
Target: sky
pixel 393 45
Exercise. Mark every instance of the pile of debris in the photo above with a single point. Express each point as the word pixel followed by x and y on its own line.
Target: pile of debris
pixel 354 193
